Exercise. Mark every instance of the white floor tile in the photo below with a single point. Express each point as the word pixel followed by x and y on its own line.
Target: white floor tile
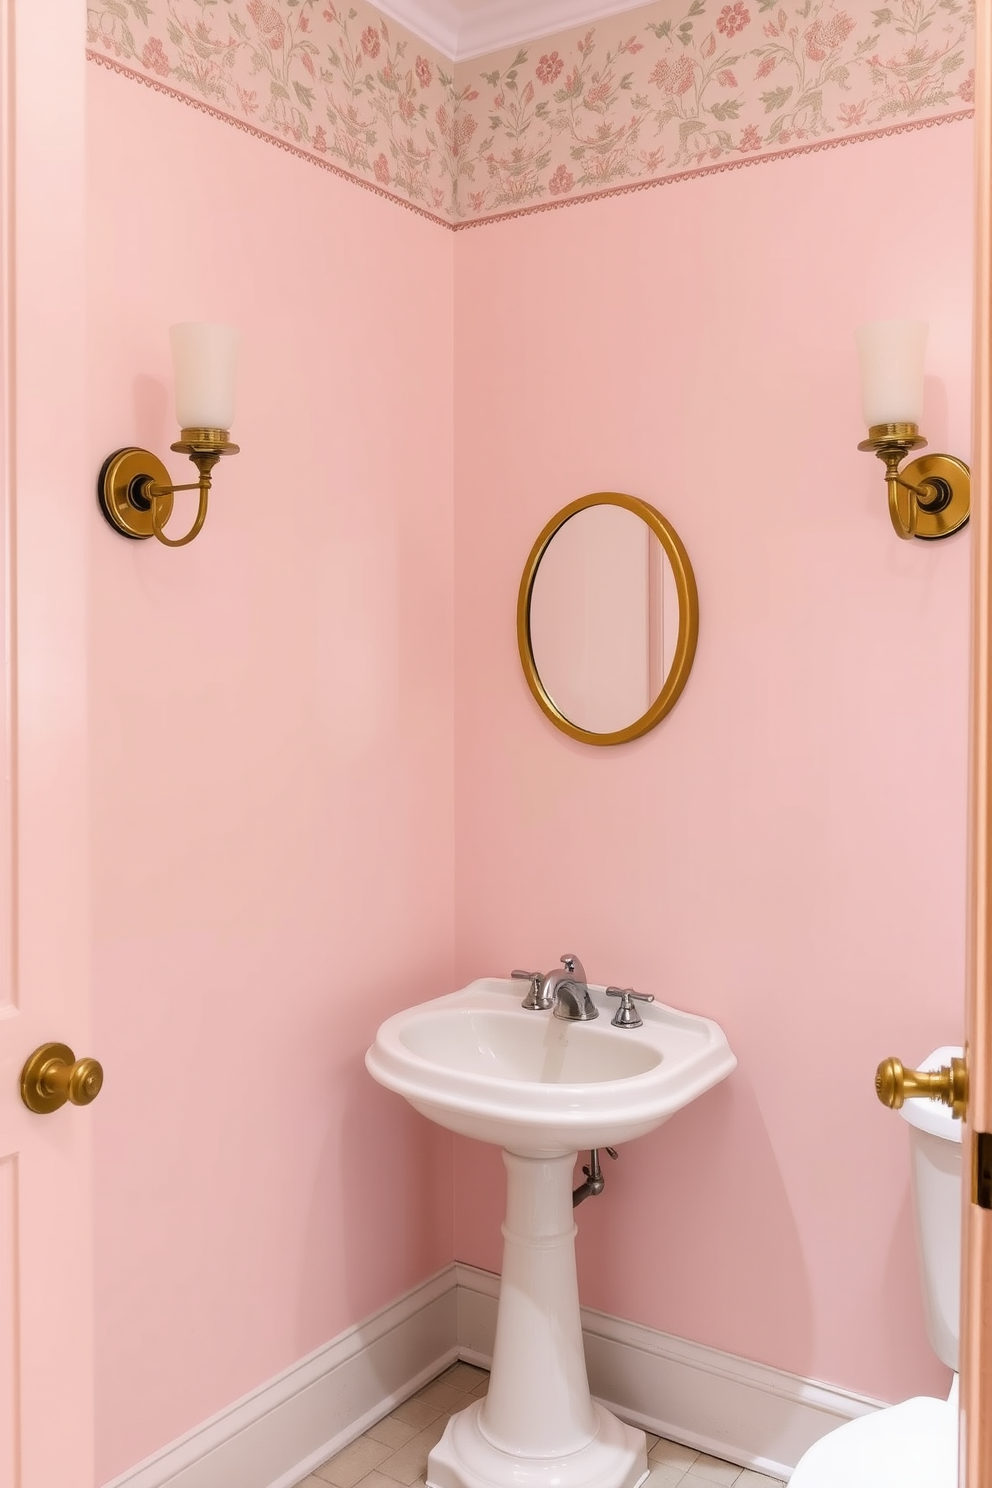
pixel 419 1413
pixel 714 1470
pixel 392 1432
pixel 464 1377
pixel 664 1477
pixel 347 1468
pixel 672 1454
pixel 409 1464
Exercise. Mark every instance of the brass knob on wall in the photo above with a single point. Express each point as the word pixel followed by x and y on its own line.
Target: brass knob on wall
pixel 53 1075
pixel 894 1084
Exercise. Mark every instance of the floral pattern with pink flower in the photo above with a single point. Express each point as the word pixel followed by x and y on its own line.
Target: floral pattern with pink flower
pixel 852 115
pixel 678 86
pixel 733 18
pixel 674 78
pixel 269 22
pixel 153 57
pixel 549 68
pixel 824 37
pixel 561 181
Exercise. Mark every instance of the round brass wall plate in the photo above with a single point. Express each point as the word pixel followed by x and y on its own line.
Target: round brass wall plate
pixel 33 1093
pixel 955 475
pixel 688 633
pixel 118 483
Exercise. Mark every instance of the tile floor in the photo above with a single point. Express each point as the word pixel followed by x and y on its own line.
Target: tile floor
pixel 394 1450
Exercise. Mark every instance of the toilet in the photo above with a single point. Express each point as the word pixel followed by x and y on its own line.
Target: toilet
pixel 915 1444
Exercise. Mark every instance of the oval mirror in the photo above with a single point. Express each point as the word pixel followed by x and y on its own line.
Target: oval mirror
pixel 607 618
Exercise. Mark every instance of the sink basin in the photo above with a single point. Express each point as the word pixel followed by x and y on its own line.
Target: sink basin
pixel 478 1063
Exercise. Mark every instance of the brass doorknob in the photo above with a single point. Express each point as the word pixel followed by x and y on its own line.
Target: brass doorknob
pixel 895 1084
pixel 53 1075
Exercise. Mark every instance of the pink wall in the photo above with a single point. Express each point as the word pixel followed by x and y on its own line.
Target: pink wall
pixel 786 852
pixel 272 766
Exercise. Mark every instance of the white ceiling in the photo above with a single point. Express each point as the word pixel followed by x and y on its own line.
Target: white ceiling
pixel 470 28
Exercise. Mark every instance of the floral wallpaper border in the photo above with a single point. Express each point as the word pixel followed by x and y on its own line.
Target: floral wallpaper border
pixel 675 89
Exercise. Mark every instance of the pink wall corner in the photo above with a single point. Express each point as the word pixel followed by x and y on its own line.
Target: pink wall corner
pixel 272 769
pixel 277 754
pixel 786 852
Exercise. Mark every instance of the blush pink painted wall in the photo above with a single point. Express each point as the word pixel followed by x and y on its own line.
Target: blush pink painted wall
pixel 786 852
pixel 272 766
pixel 275 744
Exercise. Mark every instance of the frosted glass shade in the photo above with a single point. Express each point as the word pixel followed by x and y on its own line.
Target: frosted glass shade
pixel 893 353
pixel 203 359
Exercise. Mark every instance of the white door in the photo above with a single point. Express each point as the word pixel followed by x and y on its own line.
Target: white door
pixel 46 1350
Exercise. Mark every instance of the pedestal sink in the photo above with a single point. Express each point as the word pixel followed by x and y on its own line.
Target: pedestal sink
pixel 542 1088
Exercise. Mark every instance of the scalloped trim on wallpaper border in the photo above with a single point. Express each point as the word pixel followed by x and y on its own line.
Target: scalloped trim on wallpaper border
pixel 262 134
pixel 672 90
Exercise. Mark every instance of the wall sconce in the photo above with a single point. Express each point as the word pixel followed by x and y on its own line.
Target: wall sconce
pixel 931 497
pixel 134 487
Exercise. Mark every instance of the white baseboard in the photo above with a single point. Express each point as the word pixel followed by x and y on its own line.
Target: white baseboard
pixel 275 1436
pixel 749 1413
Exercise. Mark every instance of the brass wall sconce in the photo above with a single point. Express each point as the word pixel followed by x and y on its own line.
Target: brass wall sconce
pixel 931 497
pixel 134 487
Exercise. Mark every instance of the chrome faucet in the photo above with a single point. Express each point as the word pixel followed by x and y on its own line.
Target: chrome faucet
pixel 570 992
pixel 567 992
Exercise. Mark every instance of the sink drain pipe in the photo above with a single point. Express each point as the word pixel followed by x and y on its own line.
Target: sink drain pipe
pixel 595 1182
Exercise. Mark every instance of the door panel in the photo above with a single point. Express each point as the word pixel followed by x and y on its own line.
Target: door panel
pixel 8 1310
pixel 46 1349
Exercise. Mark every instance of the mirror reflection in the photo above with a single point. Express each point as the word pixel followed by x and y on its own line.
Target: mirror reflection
pixel 607 618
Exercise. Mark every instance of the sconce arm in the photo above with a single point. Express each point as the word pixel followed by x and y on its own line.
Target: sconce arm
pixel 157 490
pixel 136 492
pixel 937 502
pixel 919 491
pixel 904 526
pixel 201 515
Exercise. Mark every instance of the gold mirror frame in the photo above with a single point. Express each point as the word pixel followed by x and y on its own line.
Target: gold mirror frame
pixel 685 646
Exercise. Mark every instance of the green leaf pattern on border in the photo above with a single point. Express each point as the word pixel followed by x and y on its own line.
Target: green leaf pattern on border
pixel 679 85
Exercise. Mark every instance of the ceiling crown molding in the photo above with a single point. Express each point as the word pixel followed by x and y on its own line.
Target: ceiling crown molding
pixel 461 29
pixel 434 21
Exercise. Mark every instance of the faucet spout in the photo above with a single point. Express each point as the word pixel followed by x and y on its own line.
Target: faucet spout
pixel 568 992
pixel 573 1002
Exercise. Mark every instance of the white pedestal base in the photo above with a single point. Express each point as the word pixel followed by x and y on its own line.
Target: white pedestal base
pixel 538 1427
pixel 615 1458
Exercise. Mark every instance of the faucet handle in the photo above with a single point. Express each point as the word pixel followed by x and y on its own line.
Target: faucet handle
pixel 626 1015
pixel 533 999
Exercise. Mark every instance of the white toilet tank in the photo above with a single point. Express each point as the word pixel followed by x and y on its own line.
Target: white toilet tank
pixel 935 1166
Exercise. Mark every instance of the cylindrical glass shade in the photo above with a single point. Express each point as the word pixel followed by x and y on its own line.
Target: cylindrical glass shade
pixel 892 353
pixel 203 357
